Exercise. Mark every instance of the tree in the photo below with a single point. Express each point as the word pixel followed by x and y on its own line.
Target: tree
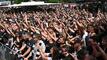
pixel 60 1
pixel 53 1
pixel 19 1
pixel 49 1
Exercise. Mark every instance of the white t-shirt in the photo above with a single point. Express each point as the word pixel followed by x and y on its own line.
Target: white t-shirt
pixel 49 58
pixel 84 37
pixel 42 45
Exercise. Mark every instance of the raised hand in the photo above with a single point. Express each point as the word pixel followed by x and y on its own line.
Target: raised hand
pixel 25 18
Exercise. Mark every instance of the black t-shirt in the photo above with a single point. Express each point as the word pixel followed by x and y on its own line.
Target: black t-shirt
pixel 69 57
pixel 48 46
pixel 81 54
pixel 89 49
pixel 70 49
pixel 71 33
pixel 30 43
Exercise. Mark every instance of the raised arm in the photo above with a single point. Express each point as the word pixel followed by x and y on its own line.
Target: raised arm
pixel 27 58
pixel 23 46
pixel 28 51
pixel 25 17
pixel 52 36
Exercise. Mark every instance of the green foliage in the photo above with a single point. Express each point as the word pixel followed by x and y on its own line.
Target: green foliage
pixel 60 1
pixel 53 1
pixel 49 1
pixel 19 1
pixel 68 1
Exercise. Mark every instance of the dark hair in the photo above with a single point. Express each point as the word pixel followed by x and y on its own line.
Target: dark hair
pixel 55 54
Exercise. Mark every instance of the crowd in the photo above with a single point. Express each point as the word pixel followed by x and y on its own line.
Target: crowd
pixel 61 34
